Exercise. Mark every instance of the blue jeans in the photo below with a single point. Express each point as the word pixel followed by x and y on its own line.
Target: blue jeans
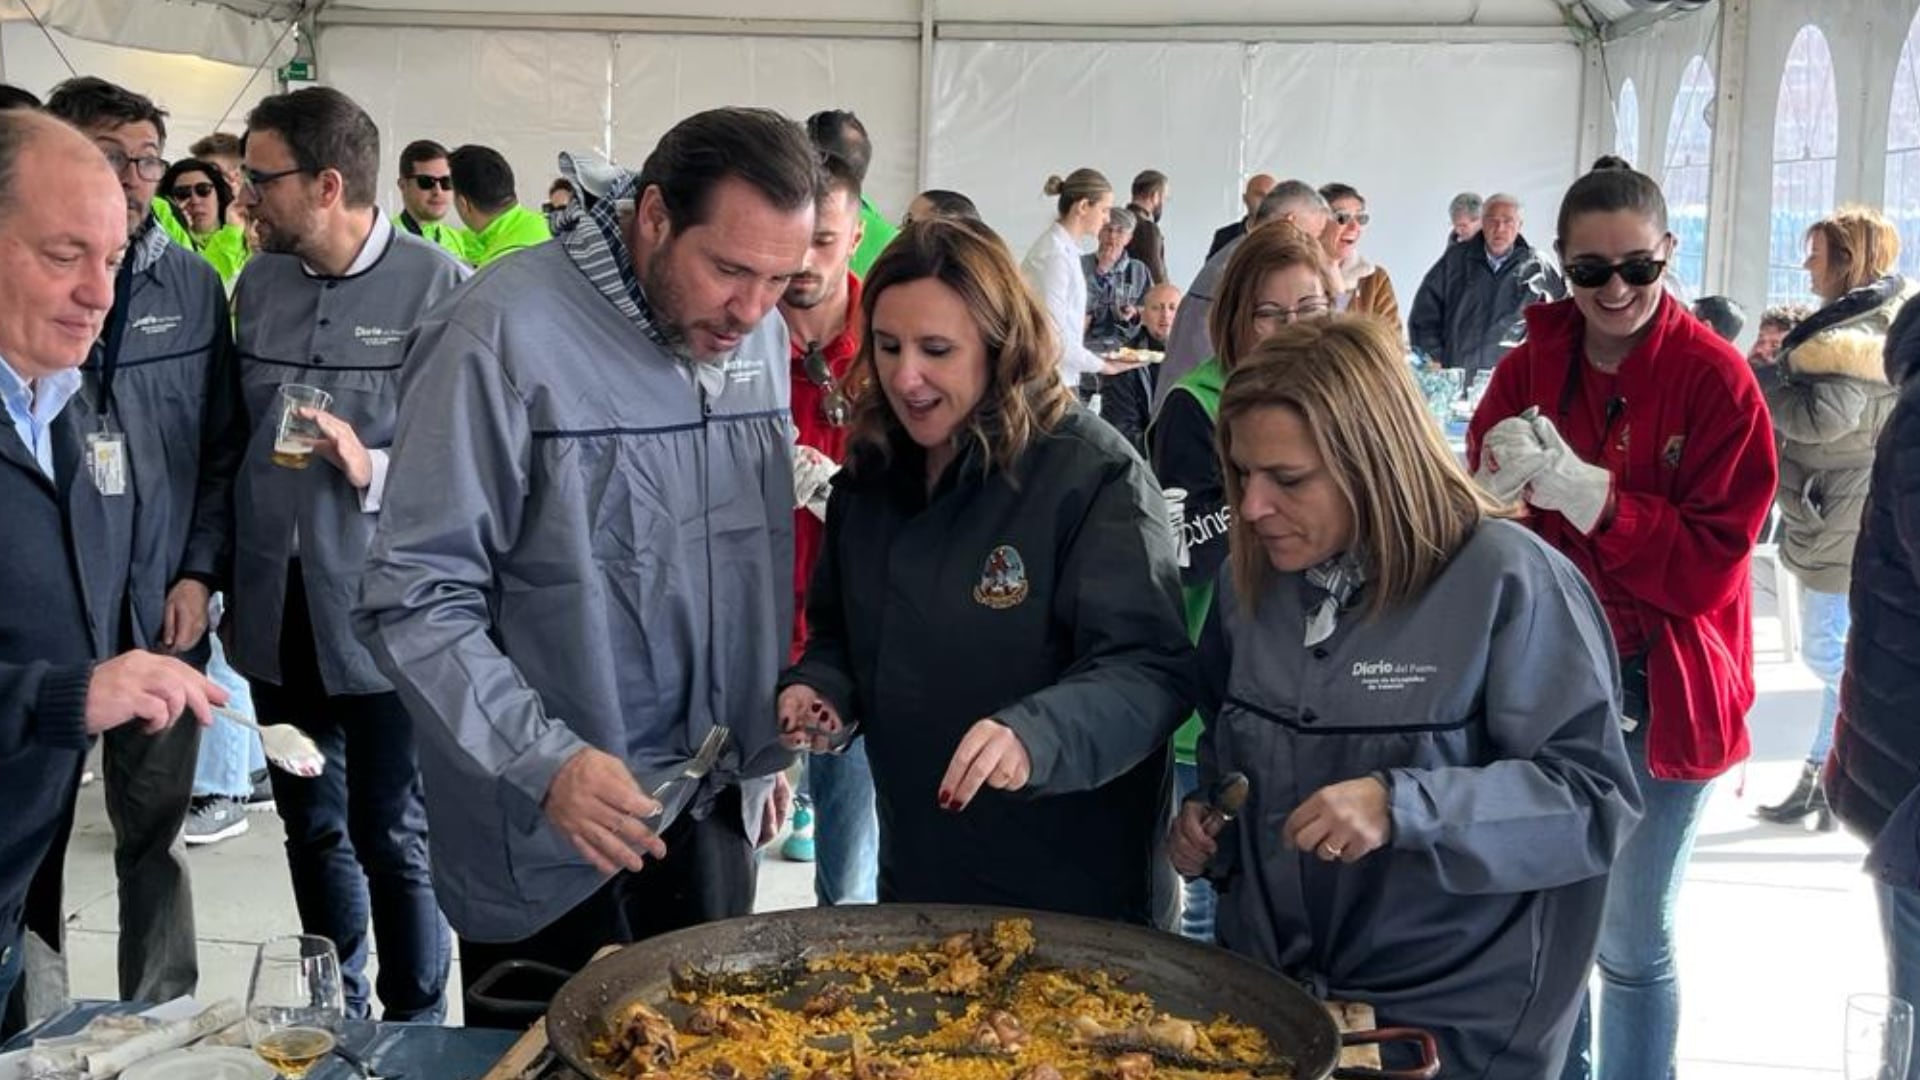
pixel 229 753
pixel 357 833
pixel 1900 927
pixel 1197 898
pixel 1639 996
pixel 846 828
pixel 1824 622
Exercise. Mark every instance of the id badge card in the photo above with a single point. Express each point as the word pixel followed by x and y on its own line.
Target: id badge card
pixel 107 461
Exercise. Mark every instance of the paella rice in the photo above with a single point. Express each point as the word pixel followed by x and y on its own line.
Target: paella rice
pixel 970 1007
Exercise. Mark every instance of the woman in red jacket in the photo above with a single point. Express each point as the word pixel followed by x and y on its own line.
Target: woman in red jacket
pixel 1642 445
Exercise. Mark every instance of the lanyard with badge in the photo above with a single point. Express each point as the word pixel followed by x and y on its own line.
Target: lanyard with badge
pixel 106 444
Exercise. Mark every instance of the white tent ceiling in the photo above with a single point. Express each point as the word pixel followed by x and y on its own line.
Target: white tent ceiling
pixel 253 31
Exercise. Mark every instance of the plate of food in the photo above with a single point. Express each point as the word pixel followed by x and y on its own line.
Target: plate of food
pixel 1137 356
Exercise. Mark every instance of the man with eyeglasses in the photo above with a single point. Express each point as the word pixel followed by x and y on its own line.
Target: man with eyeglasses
pixel 835 824
pixel 157 399
pixel 67 670
pixel 593 570
pixel 327 304
pixel 1467 314
pixel 426 198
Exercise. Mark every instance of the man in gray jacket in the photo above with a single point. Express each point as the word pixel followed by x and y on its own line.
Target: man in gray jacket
pixel 328 303
pixel 585 566
pixel 159 377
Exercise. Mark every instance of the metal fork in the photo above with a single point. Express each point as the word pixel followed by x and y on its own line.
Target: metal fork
pixel 672 795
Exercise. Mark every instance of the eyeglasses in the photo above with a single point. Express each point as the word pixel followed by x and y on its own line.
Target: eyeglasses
pixel 1352 217
pixel 146 166
pixel 1313 307
pixel 1636 272
pixel 834 403
pixel 191 191
pixel 428 183
pixel 255 179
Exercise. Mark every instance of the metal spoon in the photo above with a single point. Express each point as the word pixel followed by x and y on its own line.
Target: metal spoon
pixel 286 746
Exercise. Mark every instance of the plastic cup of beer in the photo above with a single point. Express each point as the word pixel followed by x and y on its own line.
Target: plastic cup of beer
pixel 293 436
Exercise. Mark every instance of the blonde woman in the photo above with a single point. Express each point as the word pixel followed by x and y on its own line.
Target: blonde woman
pixel 1082 199
pixel 996 605
pixel 1829 400
pixel 1431 817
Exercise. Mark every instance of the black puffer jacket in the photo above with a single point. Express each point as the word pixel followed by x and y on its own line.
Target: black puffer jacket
pixel 1876 753
pixel 1468 315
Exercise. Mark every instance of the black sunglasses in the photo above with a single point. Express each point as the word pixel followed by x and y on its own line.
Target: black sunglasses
pixel 833 402
pixel 191 191
pixel 428 183
pixel 1636 272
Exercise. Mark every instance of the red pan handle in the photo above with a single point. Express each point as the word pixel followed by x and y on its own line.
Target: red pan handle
pixel 1428 1068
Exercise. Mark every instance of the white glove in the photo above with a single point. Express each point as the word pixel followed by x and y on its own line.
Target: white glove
pixel 813 474
pixel 1510 457
pixel 1577 490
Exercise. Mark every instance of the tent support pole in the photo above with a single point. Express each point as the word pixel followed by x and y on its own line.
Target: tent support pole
pixel 1730 91
pixel 923 166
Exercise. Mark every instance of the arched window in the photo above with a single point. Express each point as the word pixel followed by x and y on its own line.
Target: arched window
pixel 1689 157
pixel 1806 138
pixel 1626 124
pixel 1903 152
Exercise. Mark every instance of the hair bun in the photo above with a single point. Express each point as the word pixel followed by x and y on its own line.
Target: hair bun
pixel 1054 185
pixel 1606 162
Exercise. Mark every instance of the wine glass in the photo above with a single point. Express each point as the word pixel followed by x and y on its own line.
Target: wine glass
pixel 294 1003
pixel 1879 1037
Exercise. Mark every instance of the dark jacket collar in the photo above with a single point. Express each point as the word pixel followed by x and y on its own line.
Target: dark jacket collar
pixel 1851 305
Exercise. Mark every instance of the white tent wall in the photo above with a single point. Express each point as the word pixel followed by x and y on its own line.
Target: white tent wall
pixel 528 94
pixel 1411 125
pixel 1009 114
pixel 195 92
pixel 658 79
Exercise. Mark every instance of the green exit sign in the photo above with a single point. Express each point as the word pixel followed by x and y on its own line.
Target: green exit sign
pixel 297 71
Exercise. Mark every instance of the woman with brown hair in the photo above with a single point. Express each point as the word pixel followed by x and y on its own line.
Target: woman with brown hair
pixel 1082 200
pixel 996 607
pixel 1423 698
pixel 1277 275
pixel 1829 398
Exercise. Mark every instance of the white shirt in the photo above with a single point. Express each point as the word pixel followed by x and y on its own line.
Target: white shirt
pixel 374 246
pixel 1052 268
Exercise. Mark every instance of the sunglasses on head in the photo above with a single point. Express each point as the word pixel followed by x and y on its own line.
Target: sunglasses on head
pixel 833 401
pixel 1352 217
pixel 1641 271
pixel 428 183
pixel 191 191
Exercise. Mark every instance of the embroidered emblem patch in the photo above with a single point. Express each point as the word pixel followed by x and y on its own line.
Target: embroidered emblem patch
pixel 1670 455
pixel 1003 584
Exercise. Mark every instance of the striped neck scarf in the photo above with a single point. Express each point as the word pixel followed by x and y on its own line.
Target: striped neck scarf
pixel 1332 585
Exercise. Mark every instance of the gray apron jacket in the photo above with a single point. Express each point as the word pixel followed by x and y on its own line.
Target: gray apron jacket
pixel 346 336
pixel 580 546
pixel 175 402
pixel 1491 704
